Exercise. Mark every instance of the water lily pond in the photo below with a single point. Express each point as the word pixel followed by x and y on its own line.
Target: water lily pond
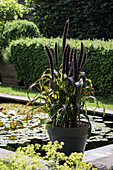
pixel 18 130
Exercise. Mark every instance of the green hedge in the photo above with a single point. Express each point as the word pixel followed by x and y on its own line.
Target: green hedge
pixel 99 66
pixel 2 41
pixel 19 28
pixel 30 60
pixel 88 19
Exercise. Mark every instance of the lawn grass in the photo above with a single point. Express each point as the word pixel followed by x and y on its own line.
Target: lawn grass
pixel 107 102
pixel 18 91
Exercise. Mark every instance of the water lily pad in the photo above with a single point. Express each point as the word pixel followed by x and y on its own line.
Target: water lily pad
pixel 1 124
pixel 1 114
pixel 104 139
pixel 11 113
pixel 23 130
pixel 108 122
pixel 12 137
pixel 3 144
pixel 98 120
pixel 110 134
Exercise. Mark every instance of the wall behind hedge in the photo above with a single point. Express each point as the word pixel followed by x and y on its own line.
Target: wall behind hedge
pixel 30 60
pixel 88 19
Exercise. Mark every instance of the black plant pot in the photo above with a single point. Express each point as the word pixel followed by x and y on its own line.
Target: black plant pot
pixel 74 138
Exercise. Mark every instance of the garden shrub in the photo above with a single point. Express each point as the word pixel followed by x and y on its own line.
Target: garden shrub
pixel 19 28
pixel 10 9
pixel 30 60
pixel 2 40
pixel 88 19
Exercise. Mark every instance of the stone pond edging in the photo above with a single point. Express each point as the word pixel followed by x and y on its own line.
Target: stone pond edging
pixel 24 100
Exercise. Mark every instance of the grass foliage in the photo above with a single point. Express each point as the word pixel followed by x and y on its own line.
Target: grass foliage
pixel 17 91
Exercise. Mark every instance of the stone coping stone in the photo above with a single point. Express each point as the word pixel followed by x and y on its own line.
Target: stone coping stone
pixel 13 98
pixel 101 157
pixel 23 99
pixel 99 111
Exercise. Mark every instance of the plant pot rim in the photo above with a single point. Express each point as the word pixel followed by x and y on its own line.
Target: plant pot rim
pixel 67 132
pixel 85 125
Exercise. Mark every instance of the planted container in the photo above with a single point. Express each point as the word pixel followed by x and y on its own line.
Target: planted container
pixel 74 138
pixel 64 90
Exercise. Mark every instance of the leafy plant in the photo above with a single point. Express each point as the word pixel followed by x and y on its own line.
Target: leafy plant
pixel 51 160
pixel 10 9
pixel 66 88
pixel 20 28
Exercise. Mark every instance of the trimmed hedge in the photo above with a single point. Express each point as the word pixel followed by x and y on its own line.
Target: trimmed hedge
pixel 99 66
pixel 88 19
pixel 19 28
pixel 30 60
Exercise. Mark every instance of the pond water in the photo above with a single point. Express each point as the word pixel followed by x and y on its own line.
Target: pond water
pixel 16 130
pixel 102 132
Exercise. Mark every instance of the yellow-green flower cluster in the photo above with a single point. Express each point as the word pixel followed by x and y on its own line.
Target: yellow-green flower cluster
pixel 26 158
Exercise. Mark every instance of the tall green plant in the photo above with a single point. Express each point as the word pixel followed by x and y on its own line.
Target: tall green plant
pixel 64 88
pixel 9 10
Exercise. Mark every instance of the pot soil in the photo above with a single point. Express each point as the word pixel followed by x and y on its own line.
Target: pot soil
pixel 74 138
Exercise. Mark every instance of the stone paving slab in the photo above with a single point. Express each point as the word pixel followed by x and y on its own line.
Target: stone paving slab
pixel 3 152
pixel 100 157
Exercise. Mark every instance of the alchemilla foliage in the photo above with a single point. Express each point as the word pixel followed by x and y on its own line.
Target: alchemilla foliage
pixel 27 158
